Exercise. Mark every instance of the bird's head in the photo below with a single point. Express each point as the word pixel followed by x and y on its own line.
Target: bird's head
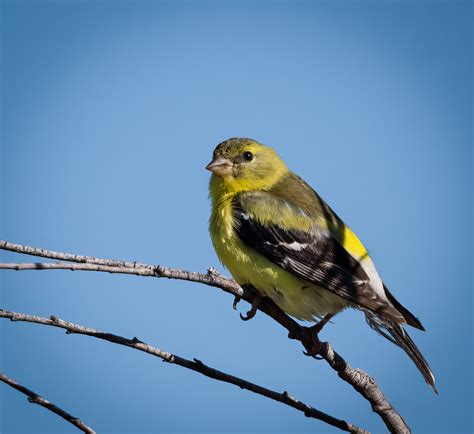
pixel 240 164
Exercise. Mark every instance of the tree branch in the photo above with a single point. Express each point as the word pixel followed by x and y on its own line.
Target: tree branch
pixel 194 365
pixel 212 278
pixel 34 398
pixel 358 379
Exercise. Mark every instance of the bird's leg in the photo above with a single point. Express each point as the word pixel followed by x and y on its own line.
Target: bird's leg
pixel 314 331
pixel 321 323
pixel 253 310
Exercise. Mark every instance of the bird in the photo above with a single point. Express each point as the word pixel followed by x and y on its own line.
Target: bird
pixel 274 232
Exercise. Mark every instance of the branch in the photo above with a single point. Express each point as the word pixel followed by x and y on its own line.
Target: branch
pixel 358 379
pixel 74 267
pixel 212 279
pixel 34 398
pixel 194 365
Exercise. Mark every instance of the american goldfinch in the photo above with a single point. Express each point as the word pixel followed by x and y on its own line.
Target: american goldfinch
pixel 273 231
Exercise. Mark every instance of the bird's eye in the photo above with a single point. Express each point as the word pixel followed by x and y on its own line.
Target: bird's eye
pixel 248 156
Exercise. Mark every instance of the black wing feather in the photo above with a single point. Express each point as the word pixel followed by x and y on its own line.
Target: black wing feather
pixel 317 258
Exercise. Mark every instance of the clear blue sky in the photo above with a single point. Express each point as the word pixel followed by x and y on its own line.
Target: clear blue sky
pixel 111 110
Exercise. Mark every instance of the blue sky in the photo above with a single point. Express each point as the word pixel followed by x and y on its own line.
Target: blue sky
pixel 111 110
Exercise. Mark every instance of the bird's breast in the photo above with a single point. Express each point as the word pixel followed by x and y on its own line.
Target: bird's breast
pixel 229 248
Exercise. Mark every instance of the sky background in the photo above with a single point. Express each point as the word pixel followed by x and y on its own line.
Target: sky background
pixel 110 112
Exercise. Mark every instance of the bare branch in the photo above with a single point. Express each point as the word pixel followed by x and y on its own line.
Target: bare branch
pixel 358 379
pixel 34 398
pixel 367 387
pixel 194 365
pixel 76 267
pixel 212 278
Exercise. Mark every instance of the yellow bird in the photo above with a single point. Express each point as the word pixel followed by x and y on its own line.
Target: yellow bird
pixel 274 232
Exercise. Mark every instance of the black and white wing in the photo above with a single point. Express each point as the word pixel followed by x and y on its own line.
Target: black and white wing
pixel 313 255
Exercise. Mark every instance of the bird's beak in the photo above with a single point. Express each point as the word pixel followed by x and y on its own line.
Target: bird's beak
pixel 220 166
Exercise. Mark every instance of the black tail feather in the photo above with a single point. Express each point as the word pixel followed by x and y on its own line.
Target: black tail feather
pixel 403 340
pixel 397 334
pixel 409 317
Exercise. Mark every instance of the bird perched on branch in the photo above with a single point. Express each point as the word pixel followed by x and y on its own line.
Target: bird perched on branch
pixel 274 232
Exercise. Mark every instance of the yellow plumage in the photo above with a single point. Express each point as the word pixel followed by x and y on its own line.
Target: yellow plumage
pixel 248 266
pixel 273 231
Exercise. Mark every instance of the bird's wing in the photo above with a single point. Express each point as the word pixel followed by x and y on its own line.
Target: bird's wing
pixel 284 234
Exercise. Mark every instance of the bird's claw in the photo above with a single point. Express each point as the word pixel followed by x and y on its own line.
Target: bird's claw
pixel 314 356
pixel 236 302
pixel 253 310
pixel 249 315
pixel 314 348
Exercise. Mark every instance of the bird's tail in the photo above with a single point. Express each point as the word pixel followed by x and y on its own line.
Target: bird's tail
pixel 403 340
pixel 398 335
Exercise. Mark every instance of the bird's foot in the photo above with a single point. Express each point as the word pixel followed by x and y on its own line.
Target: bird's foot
pixel 236 302
pixel 253 310
pixel 314 348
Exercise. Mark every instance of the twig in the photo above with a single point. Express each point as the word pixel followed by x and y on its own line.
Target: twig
pixel 194 365
pixel 34 398
pixel 358 379
pixel 76 267
pixel 212 278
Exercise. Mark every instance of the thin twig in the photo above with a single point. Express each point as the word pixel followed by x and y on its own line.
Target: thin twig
pixel 358 379
pixel 194 365
pixel 76 267
pixel 34 398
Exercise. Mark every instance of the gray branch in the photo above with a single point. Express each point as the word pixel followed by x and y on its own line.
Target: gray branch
pixel 212 279
pixel 34 398
pixel 358 379
pixel 194 365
